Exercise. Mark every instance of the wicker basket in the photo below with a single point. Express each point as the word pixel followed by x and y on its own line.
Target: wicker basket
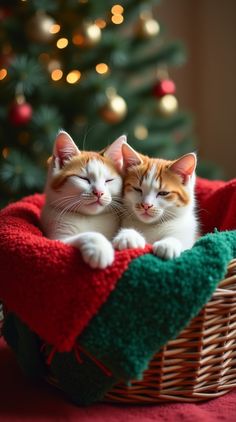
pixel 199 364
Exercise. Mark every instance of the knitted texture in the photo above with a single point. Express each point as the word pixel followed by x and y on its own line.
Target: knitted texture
pixel 45 282
pixel 128 321
pixel 152 303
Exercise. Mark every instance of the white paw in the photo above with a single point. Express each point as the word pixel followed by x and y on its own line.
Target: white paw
pixel 96 250
pixel 168 248
pixel 128 239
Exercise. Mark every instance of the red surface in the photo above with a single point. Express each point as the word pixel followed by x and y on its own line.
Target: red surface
pixel 20 400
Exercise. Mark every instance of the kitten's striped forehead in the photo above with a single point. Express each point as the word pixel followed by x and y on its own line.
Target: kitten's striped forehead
pixel 97 169
pixel 150 176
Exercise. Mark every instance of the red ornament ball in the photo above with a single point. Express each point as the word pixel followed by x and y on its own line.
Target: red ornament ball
pixel 164 87
pixel 20 114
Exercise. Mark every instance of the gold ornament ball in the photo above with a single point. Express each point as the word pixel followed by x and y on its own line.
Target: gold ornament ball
pixel 88 35
pixel 167 105
pixel 39 28
pixel 147 27
pixel 115 110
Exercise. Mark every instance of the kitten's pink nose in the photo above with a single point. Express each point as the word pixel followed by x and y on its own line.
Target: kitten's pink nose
pixel 146 206
pixel 98 193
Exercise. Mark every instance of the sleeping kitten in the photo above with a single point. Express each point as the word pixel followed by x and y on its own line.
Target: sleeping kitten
pixel 159 203
pixel 83 195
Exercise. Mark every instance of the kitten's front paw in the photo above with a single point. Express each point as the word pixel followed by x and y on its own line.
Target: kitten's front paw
pixel 168 248
pixel 96 250
pixel 128 239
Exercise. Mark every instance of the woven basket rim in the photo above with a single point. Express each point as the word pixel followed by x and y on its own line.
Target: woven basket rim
pixel 200 363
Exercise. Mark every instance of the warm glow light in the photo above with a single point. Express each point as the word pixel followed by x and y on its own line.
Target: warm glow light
pixel 117 19
pixel 5 152
pixel 3 74
pixel 62 43
pixel 152 27
pixel 93 31
pixel 102 68
pixel 56 74
pixel 140 132
pixel 73 76
pixel 55 28
pixel 101 23
pixel 78 39
pixel 117 9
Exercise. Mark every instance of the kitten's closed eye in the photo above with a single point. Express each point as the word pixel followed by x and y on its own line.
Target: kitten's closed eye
pixel 138 190
pixel 163 193
pixel 84 178
pixel 109 180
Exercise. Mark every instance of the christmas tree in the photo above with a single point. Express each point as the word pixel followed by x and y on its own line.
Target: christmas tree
pixel 92 67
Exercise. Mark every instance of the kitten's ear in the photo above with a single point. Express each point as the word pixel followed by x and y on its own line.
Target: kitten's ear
pixel 185 166
pixel 64 149
pixel 114 152
pixel 130 156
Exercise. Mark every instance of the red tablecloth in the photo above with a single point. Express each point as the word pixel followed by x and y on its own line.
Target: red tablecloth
pixel 20 400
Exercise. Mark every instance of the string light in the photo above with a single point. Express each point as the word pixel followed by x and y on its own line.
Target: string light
pixel 62 43
pixel 140 132
pixel 55 28
pixel 3 74
pixel 117 9
pixel 73 76
pixel 5 152
pixel 101 23
pixel 93 31
pixel 56 74
pixel 117 19
pixel 102 68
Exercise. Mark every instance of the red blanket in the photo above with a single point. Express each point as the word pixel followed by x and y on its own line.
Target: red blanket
pixel 47 284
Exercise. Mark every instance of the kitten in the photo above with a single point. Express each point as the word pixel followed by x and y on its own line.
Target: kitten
pixel 159 203
pixel 83 196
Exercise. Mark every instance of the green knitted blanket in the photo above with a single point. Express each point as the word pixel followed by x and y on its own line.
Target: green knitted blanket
pixel 153 301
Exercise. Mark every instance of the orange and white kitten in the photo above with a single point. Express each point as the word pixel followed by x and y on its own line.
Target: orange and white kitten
pixel 83 195
pixel 159 204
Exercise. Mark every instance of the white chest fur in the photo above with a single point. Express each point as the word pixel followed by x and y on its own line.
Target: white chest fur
pixel 183 228
pixel 57 227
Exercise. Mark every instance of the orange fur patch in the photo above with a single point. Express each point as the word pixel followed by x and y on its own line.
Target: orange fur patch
pixel 169 181
pixel 76 164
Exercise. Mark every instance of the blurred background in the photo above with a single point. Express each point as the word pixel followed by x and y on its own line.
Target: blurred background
pixel 163 72
pixel 206 84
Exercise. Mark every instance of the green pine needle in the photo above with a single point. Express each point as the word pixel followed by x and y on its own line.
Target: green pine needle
pixel 26 72
pixel 46 119
pixel 20 173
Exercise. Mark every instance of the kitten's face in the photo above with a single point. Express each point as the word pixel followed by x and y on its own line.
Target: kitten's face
pixel 83 182
pixel 155 190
